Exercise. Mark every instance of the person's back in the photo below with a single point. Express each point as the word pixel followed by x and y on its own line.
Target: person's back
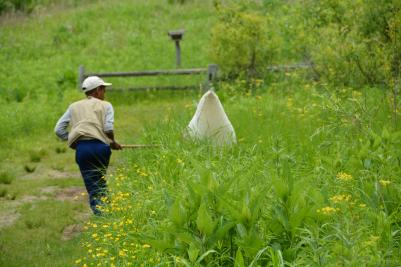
pixel 88 120
pixel 92 136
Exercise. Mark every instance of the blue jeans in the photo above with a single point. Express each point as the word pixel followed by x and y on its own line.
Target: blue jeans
pixel 92 157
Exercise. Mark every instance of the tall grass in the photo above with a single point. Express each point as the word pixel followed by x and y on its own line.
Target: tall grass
pixel 307 184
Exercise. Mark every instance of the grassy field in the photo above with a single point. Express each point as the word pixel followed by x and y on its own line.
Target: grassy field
pixel 313 180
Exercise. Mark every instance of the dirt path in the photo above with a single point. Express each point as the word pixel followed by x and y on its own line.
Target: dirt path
pixel 9 213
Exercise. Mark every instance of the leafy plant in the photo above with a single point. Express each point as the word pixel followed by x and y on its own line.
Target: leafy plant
pixel 6 178
pixel 239 42
pixel 29 168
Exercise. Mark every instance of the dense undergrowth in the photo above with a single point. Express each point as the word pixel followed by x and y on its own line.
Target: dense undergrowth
pixel 313 181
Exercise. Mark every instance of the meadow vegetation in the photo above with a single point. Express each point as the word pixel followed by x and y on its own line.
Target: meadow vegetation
pixel 313 181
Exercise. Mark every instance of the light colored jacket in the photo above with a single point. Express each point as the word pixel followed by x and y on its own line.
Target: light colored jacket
pixel 89 118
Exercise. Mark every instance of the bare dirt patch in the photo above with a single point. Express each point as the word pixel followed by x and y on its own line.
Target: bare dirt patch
pixel 8 218
pixel 9 213
pixel 73 193
pixel 71 231
pixel 51 174
pixel 62 174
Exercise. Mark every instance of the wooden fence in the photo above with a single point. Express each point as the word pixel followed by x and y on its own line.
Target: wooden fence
pixel 210 72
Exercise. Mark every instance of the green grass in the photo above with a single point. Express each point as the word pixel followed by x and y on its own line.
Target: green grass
pixel 35 239
pixel 6 178
pixel 279 195
pixel 276 197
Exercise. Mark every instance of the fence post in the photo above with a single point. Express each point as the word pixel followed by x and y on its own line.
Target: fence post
pixel 211 76
pixel 81 76
pixel 211 72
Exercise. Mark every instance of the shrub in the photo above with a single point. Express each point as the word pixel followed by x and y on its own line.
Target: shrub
pixel 16 5
pixel 354 50
pixel 3 192
pixel 6 178
pixel 239 42
pixel 37 155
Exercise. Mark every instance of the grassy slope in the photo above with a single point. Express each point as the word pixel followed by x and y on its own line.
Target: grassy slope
pixel 40 58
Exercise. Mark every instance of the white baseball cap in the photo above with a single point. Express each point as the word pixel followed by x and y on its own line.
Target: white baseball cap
pixel 93 82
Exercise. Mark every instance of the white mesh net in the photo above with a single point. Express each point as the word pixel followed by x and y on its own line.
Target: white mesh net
pixel 211 122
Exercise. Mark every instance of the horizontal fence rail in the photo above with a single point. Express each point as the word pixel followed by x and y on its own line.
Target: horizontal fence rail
pixel 150 73
pixel 158 88
pixel 211 72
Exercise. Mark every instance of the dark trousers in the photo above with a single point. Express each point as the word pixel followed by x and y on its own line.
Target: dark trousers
pixel 92 157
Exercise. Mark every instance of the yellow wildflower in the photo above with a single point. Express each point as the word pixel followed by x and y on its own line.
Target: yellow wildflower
pixel 146 246
pixel 344 176
pixel 340 198
pixel 122 253
pixel 372 240
pixel 384 182
pixel 327 210
pixel 144 174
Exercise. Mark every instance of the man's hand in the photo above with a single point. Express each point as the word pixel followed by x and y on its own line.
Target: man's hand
pixel 115 146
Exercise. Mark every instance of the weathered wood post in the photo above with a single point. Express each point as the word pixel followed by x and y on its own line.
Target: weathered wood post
pixel 176 36
pixel 211 72
pixel 81 76
pixel 210 78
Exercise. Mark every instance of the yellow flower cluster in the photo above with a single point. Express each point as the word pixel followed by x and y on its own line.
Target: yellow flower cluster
pixel 328 210
pixel 121 177
pixel 342 176
pixel 111 241
pixel 372 240
pixel 141 173
pixel 117 202
pixel 384 182
pixel 340 198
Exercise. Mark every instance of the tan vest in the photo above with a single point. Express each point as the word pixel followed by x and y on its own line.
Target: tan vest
pixel 87 120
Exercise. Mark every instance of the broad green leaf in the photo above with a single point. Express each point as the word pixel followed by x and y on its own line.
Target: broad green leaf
pixel 160 244
pixel 256 258
pixel 241 230
pixel 193 252
pixel 205 254
pixel 385 134
pixel 204 222
pixel 246 214
pixel 177 213
pixel 239 259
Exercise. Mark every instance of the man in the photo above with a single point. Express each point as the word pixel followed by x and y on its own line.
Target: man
pixel 91 135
